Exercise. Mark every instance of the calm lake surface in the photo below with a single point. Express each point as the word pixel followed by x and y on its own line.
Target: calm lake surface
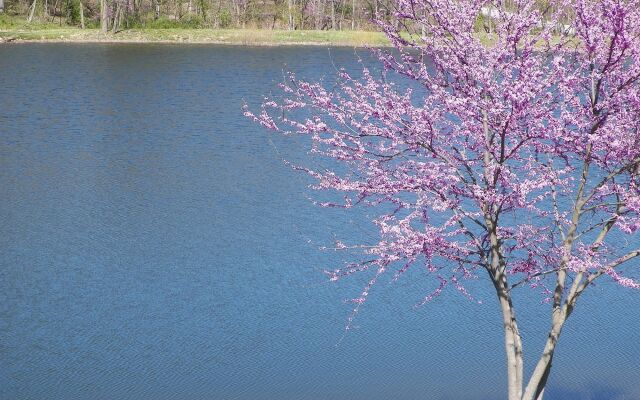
pixel 153 245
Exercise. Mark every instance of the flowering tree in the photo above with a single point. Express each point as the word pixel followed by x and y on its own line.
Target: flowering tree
pixel 514 155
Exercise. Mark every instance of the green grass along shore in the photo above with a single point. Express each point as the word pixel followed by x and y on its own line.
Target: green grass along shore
pixel 180 35
pixel 15 29
pixel 18 30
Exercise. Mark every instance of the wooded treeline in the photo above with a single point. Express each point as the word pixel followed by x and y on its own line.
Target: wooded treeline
pixel 114 15
pixel 260 14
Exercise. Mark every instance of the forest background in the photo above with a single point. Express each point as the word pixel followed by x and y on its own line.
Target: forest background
pixel 345 22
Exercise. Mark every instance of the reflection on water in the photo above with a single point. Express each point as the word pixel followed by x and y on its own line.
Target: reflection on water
pixel 154 246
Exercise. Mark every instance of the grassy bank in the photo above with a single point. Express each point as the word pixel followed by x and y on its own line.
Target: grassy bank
pixel 20 31
pixel 14 29
pixel 223 36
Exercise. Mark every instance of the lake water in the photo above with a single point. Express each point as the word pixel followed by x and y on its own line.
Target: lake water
pixel 153 245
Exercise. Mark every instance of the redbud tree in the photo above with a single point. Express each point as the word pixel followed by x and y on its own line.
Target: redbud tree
pixel 512 155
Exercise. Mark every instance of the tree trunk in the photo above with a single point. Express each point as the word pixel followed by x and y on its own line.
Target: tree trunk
pixel 81 16
pixel 534 389
pixel 317 17
pixel 1 6
pixel 104 22
pixel 244 14
pixel 116 18
pixel 236 7
pixel 333 15
pixel 538 380
pixel 497 273
pixel 55 7
pixel 217 17
pixel 512 339
pixel 353 15
pixel 32 11
pixel 301 24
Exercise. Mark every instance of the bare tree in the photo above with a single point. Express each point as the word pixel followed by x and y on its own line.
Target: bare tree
pixel 81 16
pixel 32 11
pixel 290 6
pixel 104 24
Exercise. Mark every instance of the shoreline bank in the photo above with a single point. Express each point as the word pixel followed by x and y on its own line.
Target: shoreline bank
pixel 247 37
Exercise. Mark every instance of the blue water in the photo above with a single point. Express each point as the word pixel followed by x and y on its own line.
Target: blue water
pixel 153 245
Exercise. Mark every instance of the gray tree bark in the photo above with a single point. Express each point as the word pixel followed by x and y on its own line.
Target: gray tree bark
pixel 353 15
pixel 81 16
pixel 333 15
pixel 104 22
pixel 1 6
pixel 32 11
pixel 117 17
pixel 290 9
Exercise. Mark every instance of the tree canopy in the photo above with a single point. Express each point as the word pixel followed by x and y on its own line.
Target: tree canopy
pixel 513 156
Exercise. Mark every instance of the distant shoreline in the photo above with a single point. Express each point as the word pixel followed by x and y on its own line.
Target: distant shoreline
pixel 247 37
